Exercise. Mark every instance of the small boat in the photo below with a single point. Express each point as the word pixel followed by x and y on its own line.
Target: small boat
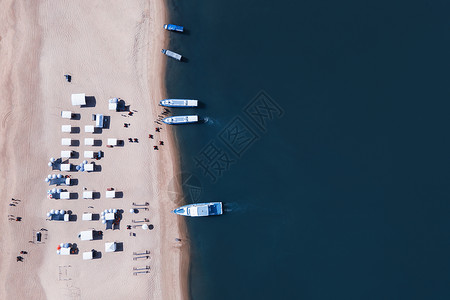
pixel 179 102
pixel 180 120
pixel 171 54
pixel 172 27
pixel 200 209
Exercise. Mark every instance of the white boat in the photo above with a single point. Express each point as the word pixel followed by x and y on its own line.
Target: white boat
pixel 200 209
pixel 180 120
pixel 172 54
pixel 179 102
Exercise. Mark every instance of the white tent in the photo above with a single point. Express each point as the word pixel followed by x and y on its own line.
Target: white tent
pixel 64 251
pixel 66 128
pixel 89 154
pixel 110 194
pixel 78 99
pixel 99 121
pixel 66 154
pixel 89 128
pixel 113 104
pixel 67 181
pixel 66 218
pixel 86 235
pixel 87 217
pixel 66 114
pixel 110 247
pixel 66 141
pixel 88 255
pixel 64 195
pixel 65 167
pixel 88 194
pixel 109 216
pixel 112 142
pixel 89 167
pixel 89 141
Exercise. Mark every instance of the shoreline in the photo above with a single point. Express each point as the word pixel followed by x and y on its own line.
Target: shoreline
pixel 31 119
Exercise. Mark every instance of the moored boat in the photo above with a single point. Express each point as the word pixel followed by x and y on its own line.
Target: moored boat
pixel 171 54
pixel 200 209
pixel 172 27
pixel 179 102
pixel 180 120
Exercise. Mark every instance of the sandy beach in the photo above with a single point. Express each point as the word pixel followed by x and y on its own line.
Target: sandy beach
pixel 111 49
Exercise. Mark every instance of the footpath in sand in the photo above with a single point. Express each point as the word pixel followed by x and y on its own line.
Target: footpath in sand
pixel 111 49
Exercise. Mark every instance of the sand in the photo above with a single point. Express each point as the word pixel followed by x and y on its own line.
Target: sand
pixel 111 49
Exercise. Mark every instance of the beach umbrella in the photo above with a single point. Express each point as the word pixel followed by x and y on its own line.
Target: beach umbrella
pixel 46 180
pixel 78 168
pixel 66 245
pixel 52 211
pixel 49 164
pixel 110 210
pixel 49 176
pixel 62 211
pixel 53 176
pixel 132 210
pixel 54 190
pixel 103 213
pixel 82 169
pixel 59 247
pixel 52 159
pixel 58 190
pixel 59 175
pixel 114 210
pixel 145 226
pixel 48 214
pixel 103 221
pixel 84 161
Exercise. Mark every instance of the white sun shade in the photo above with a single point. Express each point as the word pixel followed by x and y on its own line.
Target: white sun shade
pixel 88 194
pixel 66 141
pixel 89 141
pixel 89 128
pixel 78 99
pixel 110 194
pixel 112 142
pixel 66 128
pixel 66 114
pixel 110 247
pixel 89 167
pixel 66 154
pixel 65 167
pixel 89 154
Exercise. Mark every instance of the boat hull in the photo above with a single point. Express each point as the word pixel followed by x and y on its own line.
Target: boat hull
pixel 179 103
pixel 200 210
pixel 178 120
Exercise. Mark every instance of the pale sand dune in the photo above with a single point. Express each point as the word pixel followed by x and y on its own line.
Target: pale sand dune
pixel 111 50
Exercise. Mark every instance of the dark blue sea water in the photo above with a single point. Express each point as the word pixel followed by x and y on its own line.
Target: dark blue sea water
pixel 326 138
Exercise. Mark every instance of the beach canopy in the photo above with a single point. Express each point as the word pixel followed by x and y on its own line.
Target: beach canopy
pixel 112 142
pixel 65 167
pixel 110 247
pixel 88 255
pixel 66 141
pixel 112 105
pixel 109 216
pixel 110 194
pixel 144 226
pixel 78 99
pixel 64 195
pixel 66 154
pixel 86 235
pixel 87 217
pixel 89 167
pixel 66 114
pixel 89 141
pixel 89 128
pixel 66 128
pixel 89 154
pixel 88 194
